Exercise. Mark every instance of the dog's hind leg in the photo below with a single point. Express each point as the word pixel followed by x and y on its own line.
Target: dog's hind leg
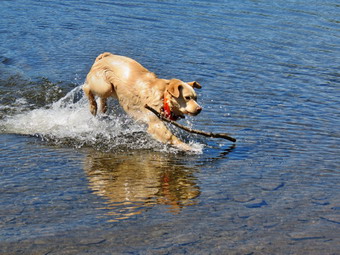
pixel 92 100
pixel 103 105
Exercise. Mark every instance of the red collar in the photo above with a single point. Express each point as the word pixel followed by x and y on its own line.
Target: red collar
pixel 167 111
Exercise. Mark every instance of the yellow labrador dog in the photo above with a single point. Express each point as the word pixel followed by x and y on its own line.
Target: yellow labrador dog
pixel 134 86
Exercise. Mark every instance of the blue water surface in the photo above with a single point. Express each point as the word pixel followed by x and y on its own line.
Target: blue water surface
pixel 74 184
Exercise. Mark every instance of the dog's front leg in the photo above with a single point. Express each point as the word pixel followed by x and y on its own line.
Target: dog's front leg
pixel 160 132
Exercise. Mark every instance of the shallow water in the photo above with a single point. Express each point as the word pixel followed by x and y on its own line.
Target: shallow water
pixel 72 184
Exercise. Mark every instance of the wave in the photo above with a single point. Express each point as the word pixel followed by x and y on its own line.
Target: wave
pixel 68 121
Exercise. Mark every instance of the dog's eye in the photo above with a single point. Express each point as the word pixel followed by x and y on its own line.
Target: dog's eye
pixel 187 98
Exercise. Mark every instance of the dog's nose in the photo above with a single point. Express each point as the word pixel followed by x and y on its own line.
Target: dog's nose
pixel 198 109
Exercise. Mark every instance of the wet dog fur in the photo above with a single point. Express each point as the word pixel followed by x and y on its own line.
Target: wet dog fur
pixel 134 86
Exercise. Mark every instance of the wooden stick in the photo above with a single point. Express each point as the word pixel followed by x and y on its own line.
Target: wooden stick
pixel 199 132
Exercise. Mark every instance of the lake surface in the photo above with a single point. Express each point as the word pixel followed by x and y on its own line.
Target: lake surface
pixel 74 184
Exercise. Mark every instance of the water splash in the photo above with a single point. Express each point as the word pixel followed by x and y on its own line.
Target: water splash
pixel 69 122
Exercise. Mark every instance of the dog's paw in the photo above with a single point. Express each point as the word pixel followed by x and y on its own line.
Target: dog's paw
pixel 184 147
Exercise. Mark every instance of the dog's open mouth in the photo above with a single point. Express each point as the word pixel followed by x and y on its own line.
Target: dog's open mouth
pixel 182 116
pixel 190 113
pixel 193 113
pixel 177 116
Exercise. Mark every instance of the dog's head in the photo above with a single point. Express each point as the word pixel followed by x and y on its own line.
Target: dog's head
pixel 183 98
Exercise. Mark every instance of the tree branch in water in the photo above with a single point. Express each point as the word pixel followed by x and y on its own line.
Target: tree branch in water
pixel 190 130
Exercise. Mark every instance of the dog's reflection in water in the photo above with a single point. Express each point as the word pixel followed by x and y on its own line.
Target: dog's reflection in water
pixel 133 182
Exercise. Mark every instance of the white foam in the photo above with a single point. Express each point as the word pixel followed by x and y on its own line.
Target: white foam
pixel 69 120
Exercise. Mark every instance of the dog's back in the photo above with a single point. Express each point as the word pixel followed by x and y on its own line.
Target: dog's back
pixel 127 80
pixel 134 86
pixel 103 55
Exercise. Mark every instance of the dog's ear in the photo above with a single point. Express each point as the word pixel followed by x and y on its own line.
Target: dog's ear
pixel 174 87
pixel 195 84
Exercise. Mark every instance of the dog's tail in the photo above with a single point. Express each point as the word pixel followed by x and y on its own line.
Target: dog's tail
pixel 103 55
